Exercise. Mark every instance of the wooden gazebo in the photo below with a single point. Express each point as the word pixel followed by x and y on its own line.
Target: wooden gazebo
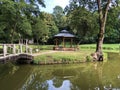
pixel 63 37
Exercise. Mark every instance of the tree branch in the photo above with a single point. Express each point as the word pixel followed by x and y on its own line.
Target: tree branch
pixel 106 10
pixel 100 9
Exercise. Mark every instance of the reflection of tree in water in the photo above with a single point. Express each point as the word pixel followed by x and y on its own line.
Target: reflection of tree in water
pixel 111 72
pixel 64 85
pixel 82 77
pixel 78 77
pixel 7 69
pixel 37 80
pixel 98 66
pixel 53 84
pixel 88 77
pixel 57 82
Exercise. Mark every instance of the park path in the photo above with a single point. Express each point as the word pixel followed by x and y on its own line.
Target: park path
pixel 42 53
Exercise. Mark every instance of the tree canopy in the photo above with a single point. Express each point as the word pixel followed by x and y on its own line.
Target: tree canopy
pixel 22 19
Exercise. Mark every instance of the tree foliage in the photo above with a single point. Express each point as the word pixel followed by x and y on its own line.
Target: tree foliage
pixel 83 23
pixel 22 19
pixel 15 18
pixel 40 31
pixel 59 17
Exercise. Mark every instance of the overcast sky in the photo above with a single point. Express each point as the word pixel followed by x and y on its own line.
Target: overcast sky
pixel 50 4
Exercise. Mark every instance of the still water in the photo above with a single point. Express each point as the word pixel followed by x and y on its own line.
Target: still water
pixel 84 76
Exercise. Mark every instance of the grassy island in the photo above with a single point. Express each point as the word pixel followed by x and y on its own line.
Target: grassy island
pixel 45 56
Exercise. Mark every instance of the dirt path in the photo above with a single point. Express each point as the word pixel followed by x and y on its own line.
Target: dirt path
pixel 42 53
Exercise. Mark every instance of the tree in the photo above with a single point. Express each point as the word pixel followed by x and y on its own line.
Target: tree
pixel 103 7
pixel 103 11
pixel 15 17
pixel 40 31
pixel 82 23
pixel 51 25
pixel 25 29
pixel 59 17
pixel 112 26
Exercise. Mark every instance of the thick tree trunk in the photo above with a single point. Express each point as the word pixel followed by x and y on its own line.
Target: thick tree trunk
pixel 100 43
pixel 102 22
pixel 100 40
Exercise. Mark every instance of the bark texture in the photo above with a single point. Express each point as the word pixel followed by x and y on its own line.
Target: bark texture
pixel 102 21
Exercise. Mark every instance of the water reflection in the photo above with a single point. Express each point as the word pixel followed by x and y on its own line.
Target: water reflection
pixel 91 76
pixel 28 82
pixel 85 76
pixel 66 85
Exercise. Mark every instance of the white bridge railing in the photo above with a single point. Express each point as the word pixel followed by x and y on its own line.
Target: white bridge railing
pixel 13 49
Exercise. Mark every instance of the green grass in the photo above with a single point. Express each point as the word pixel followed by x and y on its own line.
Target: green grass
pixel 68 56
pixel 106 47
pixel 41 48
pixel 83 54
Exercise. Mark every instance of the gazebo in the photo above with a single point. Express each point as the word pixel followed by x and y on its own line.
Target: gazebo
pixel 63 37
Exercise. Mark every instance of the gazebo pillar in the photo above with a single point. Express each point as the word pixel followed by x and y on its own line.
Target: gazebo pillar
pixel 63 42
pixel 56 42
pixel 71 42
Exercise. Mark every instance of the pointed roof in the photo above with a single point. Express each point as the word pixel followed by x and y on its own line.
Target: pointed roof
pixel 64 33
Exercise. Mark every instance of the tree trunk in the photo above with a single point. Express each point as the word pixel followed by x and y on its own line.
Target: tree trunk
pixel 100 43
pixel 37 41
pixel 102 22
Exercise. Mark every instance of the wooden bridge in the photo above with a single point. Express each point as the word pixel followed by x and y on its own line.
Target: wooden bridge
pixel 15 52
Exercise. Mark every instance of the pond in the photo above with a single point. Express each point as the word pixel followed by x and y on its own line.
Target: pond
pixel 83 76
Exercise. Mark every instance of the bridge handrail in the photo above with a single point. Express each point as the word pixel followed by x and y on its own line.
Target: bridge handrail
pixel 15 50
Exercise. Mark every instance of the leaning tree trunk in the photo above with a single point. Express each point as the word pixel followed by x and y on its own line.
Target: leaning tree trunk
pixel 102 22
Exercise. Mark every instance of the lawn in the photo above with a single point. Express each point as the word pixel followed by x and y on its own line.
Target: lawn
pixel 106 47
pixel 90 47
pixel 63 57
pixel 82 55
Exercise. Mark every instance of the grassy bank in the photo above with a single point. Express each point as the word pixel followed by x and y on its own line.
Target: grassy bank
pixel 82 55
pixel 106 47
pixel 62 57
pixel 65 57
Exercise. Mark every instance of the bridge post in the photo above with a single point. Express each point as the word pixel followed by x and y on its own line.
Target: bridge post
pixel 14 49
pixel 4 50
pixel 18 51
pixel 20 48
pixel 26 46
pixel 31 51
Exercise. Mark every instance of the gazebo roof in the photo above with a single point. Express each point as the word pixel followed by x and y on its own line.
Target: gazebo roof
pixel 64 33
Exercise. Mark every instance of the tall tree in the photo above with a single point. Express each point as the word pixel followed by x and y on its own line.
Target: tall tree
pixel 15 15
pixel 112 32
pixel 59 17
pixel 40 31
pixel 49 21
pixel 103 11
pixel 82 22
pixel 103 7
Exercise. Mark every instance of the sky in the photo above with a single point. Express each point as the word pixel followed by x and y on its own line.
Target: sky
pixel 50 4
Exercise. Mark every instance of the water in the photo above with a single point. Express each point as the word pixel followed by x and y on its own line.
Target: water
pixel 84 76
